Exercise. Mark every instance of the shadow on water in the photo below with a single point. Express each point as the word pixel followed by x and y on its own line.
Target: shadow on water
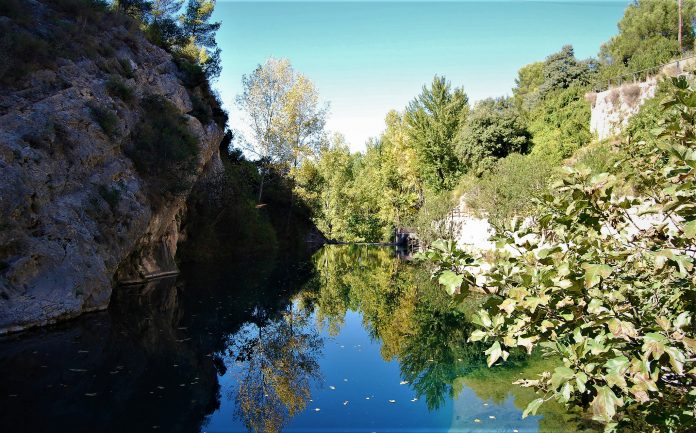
pixel 252 346
pixel 151 362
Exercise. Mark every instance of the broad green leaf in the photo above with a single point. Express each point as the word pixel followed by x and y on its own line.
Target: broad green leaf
pixel 494 353
pixel 676 359
pixel 690 229
pixel 594 273
pixel 451 281
pixel 532 407
pixel 561 375
pixel 477 335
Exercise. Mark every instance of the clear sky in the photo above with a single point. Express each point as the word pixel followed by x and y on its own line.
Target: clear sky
pixel 369 57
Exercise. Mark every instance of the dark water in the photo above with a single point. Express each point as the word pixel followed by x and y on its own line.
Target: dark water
pixel 352 339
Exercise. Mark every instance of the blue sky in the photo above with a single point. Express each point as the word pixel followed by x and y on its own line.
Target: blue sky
pixel 369 57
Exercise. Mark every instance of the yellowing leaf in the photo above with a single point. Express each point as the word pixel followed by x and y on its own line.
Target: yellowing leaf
pixel 604 404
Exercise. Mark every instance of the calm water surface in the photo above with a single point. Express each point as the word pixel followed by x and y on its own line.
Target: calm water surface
pixel 352 339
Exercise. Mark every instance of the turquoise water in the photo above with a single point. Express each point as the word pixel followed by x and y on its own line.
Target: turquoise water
pixel 352 339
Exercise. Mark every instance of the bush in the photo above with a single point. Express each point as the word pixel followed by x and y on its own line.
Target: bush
pixel 21 53
pixel 510 188
pixel 192 74
pixel 163 149
pixel 126 68
pixel 107 119
pixel 613 300
pixel 118 88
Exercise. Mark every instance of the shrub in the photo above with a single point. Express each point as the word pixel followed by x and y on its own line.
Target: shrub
pixel 510 188
pixel 21 53
pixel 613 300
pixel 126 68
pixel 163 149
pixel 107 119
pixel 192 74
pixel 118 88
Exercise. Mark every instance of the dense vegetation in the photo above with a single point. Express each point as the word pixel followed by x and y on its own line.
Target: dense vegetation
pixel 497 153
pixel 604 280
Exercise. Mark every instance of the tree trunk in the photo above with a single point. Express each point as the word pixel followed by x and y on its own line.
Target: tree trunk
pixel 263 175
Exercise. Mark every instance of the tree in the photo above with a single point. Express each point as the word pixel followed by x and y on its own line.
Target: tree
pixel 262 100
pixel 526 91
pixel 303 120
pixel 200 34
pixel 135 8
pixel 561 124
pixel 612 297
pixel 648 34
pixel 492 131
pixel 562 70
pixel 163 9
pixel 434 118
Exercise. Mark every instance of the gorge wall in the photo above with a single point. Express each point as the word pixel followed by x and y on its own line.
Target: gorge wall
pixel 76 214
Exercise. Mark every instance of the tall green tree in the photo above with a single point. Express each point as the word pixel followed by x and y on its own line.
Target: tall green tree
pixel 200 34
pixel 493 130
pixel 648 34
pixel 434 118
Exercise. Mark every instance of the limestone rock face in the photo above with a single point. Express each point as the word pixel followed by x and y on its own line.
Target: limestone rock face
pixel 75 218
pixel 612 108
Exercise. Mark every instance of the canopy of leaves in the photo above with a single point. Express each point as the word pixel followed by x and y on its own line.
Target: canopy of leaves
pixel 608 290
pixel 434 118
pixel 648 34
pixel 493 130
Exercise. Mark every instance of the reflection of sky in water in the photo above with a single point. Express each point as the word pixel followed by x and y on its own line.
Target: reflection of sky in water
pixel 354 371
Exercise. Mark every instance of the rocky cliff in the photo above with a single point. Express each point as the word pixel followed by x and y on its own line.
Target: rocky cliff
pixel 83 202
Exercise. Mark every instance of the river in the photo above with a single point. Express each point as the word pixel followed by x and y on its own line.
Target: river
pixel 349 339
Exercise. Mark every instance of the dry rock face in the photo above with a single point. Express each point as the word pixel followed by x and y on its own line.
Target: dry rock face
pixel 75 218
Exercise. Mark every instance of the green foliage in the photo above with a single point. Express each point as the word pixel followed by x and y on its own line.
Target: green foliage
pixel 562 70
pixel 529 79
pixel 648 35
pixel 163 148
pixel 106 118
pixel 612 297
pixel 561 123
pixel 492 131
pixel 118 88
pixel 434 118
pixel 510 188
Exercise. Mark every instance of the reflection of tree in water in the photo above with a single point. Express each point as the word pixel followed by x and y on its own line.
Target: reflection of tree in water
pixel 414 319
pixel 276 359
